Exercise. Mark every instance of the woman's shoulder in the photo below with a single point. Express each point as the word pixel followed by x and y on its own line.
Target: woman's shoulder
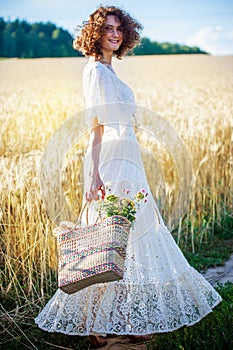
pixel 96 71
pixel 94 65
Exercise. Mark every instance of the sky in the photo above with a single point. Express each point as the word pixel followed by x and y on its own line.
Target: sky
pixel 207 24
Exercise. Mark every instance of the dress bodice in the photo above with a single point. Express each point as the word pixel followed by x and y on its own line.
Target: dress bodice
pixel 107 97
pixel 101 85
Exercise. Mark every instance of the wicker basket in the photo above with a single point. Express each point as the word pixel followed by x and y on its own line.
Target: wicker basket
pixel 93 254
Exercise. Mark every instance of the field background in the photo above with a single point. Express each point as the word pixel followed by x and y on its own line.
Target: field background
pixel 192 92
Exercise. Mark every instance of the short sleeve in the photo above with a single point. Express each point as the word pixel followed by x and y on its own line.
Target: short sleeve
pixel 98 92
pixel 107 98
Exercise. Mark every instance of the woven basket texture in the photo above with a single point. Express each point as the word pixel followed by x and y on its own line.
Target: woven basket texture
pixel 93 254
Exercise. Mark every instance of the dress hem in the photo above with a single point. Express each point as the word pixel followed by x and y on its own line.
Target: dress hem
pixel 132 333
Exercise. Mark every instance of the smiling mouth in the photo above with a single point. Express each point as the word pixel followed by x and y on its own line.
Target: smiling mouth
pixel 114 41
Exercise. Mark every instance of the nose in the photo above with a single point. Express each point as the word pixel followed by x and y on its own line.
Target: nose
pixel 115 32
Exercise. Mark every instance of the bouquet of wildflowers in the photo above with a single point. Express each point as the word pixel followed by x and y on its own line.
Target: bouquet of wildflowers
pixel 127 206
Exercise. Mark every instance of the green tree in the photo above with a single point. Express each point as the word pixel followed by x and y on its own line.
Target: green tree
pixel 24 40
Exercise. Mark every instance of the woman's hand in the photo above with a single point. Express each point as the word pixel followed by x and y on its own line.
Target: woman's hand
pixel 96 186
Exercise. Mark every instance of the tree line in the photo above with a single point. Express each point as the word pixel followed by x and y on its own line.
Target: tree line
pixel 148 47
pixel 33 40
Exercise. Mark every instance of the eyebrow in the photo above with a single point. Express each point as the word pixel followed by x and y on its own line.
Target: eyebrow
pixel 111 25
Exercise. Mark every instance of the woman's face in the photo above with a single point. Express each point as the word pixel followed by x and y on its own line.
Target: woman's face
pixel 113 36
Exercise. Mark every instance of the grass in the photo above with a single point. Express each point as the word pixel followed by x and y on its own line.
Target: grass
pixel 18 331
pixel 213 332
pixel 212 254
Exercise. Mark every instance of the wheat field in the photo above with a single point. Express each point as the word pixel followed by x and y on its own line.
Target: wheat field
pixel 191 92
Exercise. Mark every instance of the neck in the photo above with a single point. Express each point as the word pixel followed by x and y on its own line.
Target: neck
pixel 107 57
pixel 106 61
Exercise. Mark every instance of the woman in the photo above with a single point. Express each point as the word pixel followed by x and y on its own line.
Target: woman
pixel 160 291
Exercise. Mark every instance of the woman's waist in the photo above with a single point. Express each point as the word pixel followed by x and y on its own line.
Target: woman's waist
pixel 118 132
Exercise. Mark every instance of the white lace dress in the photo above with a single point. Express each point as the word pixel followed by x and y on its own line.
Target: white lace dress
pixel 160 291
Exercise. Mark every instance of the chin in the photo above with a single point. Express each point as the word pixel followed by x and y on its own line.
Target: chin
pixel 115 47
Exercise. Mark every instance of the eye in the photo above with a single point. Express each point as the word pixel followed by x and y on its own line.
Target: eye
pixel 111 29
pixel 107 28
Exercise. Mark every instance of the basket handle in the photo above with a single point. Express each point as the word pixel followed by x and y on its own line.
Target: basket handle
pixel 86 205
pixel 81 213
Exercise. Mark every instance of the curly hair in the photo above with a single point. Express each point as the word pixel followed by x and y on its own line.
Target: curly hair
pixel 88 42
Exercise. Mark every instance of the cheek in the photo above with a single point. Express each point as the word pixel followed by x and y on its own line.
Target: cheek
pixel 103 40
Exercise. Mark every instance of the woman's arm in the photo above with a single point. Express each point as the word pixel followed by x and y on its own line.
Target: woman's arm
pixel 96 182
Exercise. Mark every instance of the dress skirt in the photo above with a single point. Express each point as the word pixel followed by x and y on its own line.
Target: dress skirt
pixel 160 291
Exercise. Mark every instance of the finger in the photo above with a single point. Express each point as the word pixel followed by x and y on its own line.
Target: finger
pixel 96 196
pixel 89 197
pixel 103 192
pixel 94 190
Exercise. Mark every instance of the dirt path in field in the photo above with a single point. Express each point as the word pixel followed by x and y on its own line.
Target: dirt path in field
pixel 215 275
pixel 220 274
